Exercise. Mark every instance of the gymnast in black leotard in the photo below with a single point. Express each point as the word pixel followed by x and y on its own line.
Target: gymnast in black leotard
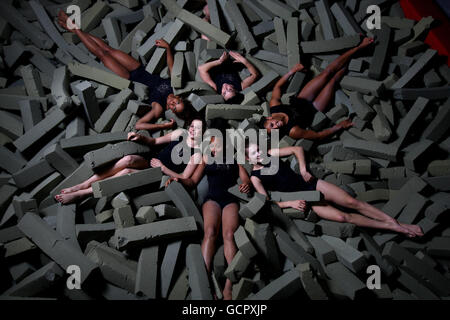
pixel 222 75
pixel 164 160
pixel 220 207
pixel 286 180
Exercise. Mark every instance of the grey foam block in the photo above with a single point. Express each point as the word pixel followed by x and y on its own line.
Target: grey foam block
pixel 168 266
pixel 54 245
pixel 114 265
pixel 147 272
pixel 114 185
pixel 347 255
pixel 37 282
pixel 153 232
pixel 281 288
pixel 198 277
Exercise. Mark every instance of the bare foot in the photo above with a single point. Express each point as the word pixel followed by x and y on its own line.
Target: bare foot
pixel 76 188
pixel 417 230
pixel 395 226
pixel 70 197
pixel 62 21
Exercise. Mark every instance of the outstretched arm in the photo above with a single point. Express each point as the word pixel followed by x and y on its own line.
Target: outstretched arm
pixel 299 133
pixel 163 44
pixel 254 73
pixel 188 171
pixel 296 204
pixel 205 68
pixel 276 93
pixel 145 122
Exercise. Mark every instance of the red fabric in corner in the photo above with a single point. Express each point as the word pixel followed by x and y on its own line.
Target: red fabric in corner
pixel 438 38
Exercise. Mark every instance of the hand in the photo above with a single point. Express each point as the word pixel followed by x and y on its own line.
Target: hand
pixel 170 124
pixel 170 181
pixel 297 204
pixel 306 175
pixel 347 123
pixel 238 57
pixel 366 42
pixel 133 136
pixel 244 188
pixel 156 163
pixel 298 67
pixel 162 43
pixel 224 57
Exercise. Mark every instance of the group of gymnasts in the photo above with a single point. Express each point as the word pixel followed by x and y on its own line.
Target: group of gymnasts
pixel 220 208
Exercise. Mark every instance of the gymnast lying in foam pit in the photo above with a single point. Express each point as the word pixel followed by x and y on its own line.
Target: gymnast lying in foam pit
pixel 222 75
pixel 220 208
pixel 161 94
pixel 293 119
pixel 133 163
pixel 286 180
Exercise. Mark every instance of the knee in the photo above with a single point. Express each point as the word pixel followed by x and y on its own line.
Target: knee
pixel 353 203
pixel 129 161
pixel 228 235
pixel 327 72
pixel 127 171
pixel 342 218
pixel 211 233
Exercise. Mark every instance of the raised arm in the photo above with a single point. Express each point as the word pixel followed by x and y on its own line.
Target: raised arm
pixel 163 44
pixel 254 73
pixel 276 93
pixel 205 68
pixel 138 138
pixel 299 133
pixel 299 155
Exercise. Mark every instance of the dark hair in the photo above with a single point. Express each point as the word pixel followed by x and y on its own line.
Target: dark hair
pixel 262 122
pixel 237 99
pixel 189 122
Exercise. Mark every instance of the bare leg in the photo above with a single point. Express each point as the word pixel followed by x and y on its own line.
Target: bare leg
pixel 313 87
pixel 121 66
pixel 331 213
pixel 124 59
pixel 211 218
pixel 131 162
pixel 79 195
pixel 335 194
pixel 327 93
pixel 230 222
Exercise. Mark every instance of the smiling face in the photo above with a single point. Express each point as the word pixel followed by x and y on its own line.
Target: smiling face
pixel 195 129
pixel 253 153
pixel 175 103
pixel 272 123
pixel 228 91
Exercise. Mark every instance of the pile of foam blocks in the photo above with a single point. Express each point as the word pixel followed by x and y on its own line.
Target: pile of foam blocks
pixel 63 116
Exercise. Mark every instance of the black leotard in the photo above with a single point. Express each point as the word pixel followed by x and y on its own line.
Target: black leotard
pixel 301 112
pixel 165 156
pixel 221 177
pixel 284 180
pixel 160 88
